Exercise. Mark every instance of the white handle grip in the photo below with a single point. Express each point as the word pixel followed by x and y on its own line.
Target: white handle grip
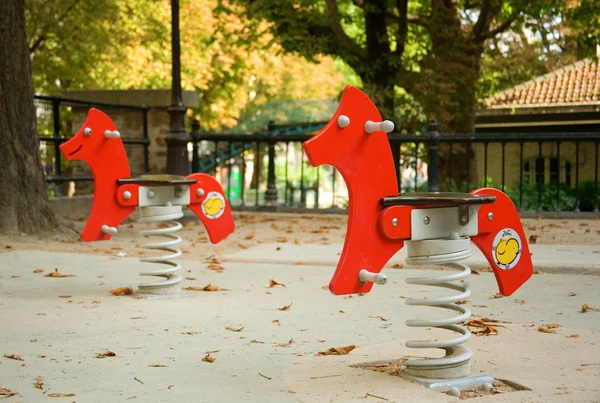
pixel 377 278
pixel 112 134
pixel 385 126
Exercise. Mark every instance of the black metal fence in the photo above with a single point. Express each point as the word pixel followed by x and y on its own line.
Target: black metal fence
pixel 55 120
pixel 552 172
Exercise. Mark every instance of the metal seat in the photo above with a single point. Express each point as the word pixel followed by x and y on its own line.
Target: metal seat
pixel 436 199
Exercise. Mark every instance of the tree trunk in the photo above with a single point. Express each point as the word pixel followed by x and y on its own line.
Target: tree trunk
pixel 23 200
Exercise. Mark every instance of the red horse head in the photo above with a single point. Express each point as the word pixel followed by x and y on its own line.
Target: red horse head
pixel 98 144
pixel 355 142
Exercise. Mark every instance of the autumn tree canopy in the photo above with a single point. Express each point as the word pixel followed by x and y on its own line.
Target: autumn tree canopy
pixel 431 50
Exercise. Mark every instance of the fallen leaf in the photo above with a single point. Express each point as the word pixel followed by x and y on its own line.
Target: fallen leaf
pixel 497 295
pixel 106 354
pixel 239 329
pixel 208 358
pixel 586 307
pixel 157 365
pixel 33 340
pixel 13 357
pixel 208 287
pixel 170 386
pixel 56 273
pixel 378 317
pixel 61 394
pixel 256 341
pixel 273 283
pixel 65 296
pixel 573 336
pixel 464 301
pixel 276 321
pixel 520 300
pixel 533 238
pixel 39 382
pixel 7 392
pixel 121 291
pixel 548 328
pixel 571 294
pixel 481 328
pixel 392 367
pixel 215 267
pixel 38 270
pixel 289 343
pixel 249 236
pixel 336 351
pixel 397 266
pixel 190 278
pixel 15 276
pixel 241 245
pixel 385 325
pixel 285 308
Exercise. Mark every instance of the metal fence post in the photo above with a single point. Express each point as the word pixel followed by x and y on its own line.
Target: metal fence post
pixel 271 192
pixel 56 134
pixel 146 138
pixel 195 135
pixel 433 142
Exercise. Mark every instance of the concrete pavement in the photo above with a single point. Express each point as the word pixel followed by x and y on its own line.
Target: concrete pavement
pixel 59 325
pixel 576 259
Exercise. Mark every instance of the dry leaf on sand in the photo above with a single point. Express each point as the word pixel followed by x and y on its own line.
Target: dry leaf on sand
pixel 39 382
pixel 208 358
pixel 38 270
pixel 7 392
pixel 157 365
pixel 548 328
pixel 105 354
pixel 586 307
pixel 397 266
pixel 336 350
pixel 56 273
pixel 289 343
pixel 285 308
pixel 208 287
pixel 481 328
pixel 497 295
pixel 61 394
pixel 273 283
pixel 121 291
pixel 13 357
pixel 571 294
pixel 239 329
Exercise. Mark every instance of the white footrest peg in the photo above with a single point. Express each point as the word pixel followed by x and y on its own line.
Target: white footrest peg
pixel 108 230
pixel 377 278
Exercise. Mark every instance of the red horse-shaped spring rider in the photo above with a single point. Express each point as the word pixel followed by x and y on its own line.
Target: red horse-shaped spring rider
pixel 436 227
pixel 160 197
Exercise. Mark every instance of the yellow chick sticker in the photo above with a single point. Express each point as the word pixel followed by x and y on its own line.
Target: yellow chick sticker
pixel 214 205
pixel 507 249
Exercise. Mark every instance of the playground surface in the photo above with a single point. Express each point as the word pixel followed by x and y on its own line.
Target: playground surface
pixel 66 329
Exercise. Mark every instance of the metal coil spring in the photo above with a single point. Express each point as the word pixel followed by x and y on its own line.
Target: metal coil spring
pixel 165 215
pixel 442 252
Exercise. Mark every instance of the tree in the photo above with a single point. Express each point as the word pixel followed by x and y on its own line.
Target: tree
pixel 431 49
pixel 23 201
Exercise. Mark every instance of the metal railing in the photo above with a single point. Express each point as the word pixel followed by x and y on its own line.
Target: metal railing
pixel 549 178
pixel 55 126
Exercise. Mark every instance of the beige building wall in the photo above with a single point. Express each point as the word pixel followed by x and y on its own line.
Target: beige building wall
pixel 530 153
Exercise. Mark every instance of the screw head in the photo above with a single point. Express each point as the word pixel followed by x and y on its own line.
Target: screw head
pixel 151 194
pixel 200 192
pixel 490 216
pixel 394 222
pixel 126 195
pixel 426 220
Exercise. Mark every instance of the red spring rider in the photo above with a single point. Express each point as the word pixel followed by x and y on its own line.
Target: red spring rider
pixel 159 197
pixel 436 228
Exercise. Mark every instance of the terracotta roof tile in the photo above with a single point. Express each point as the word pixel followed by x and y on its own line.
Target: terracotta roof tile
pixel 577 83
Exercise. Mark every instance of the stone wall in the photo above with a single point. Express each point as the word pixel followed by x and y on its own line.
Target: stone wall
pixel 130 125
